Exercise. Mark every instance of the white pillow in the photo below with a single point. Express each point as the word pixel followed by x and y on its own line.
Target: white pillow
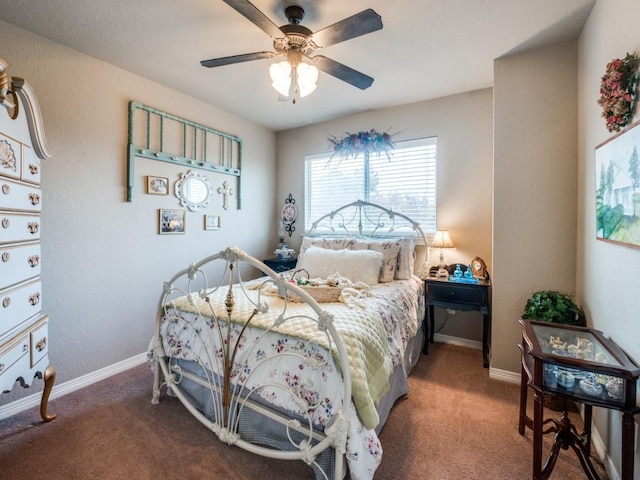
pixel 356 265
pixel 390 249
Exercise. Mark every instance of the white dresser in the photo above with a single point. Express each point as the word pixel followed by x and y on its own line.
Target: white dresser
pixel 24 339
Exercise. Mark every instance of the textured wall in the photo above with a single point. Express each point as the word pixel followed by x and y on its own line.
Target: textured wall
pixel 103 261
pixel 463 125
pixel 535 185
pixel 607 280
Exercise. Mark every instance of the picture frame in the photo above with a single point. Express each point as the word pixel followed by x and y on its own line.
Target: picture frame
pixel 212 222
pixel 157 185
pixel 171 222
pixel 617 188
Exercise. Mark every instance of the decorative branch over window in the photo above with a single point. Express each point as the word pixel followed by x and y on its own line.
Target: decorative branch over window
pixel 354 144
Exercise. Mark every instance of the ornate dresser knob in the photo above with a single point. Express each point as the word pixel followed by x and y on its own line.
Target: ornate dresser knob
pixel 33 260
pixel 33 227
pixel 6 189
pixel 41 345
pixel 34 299
pixel 5 257
pixel 33 169
pixel 34 198
pixel 6 301
pixel 5 222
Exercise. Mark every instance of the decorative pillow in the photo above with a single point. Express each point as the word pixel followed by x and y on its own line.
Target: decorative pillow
pixel 389 250
pixel 330 243
pixel 404 269
pixel 356 265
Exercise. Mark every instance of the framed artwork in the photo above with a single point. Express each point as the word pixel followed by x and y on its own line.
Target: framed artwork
pixel 618 188
pixel 157 185
pixel 171 222
pixel 212 222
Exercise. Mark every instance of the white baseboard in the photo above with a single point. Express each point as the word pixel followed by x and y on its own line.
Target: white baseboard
pixel 461 342
pixel 72 385
pixel 504 375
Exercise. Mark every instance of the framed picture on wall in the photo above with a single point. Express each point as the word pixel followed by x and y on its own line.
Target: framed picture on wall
pixel 171 222
pixel 212 222
pixel 157 185
pixel 618 188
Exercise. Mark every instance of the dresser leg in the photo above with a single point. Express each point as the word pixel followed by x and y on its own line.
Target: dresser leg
pixel 49 380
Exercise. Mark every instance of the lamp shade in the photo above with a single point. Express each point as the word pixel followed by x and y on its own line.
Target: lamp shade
pixel 442 240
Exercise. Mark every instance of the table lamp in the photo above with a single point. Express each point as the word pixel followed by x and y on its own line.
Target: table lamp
pixel 442 240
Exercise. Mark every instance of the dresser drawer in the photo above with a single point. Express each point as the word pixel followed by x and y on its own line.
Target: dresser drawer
pixel 19 196
pixel 10 156
pixel 18 304
pixel 457 294
pixel 30 165
pixel 15 227
pixel 19 263
pixel 13 357
pixel 39 341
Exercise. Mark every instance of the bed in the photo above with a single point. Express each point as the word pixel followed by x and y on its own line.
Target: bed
pixel 305 364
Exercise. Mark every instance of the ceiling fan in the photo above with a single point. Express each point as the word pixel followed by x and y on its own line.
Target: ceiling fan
pixel 297 43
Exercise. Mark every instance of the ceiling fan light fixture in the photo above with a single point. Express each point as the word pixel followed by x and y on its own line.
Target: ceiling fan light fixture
pixel 280 74
pixel 307 78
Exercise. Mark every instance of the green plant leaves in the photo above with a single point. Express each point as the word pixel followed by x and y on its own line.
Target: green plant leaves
pixel 555 307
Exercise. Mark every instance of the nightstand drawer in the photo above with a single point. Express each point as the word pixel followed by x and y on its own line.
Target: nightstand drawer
pixel 457 294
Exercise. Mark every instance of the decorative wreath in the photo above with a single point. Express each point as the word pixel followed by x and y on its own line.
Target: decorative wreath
pixel 618 91
pixel 353 144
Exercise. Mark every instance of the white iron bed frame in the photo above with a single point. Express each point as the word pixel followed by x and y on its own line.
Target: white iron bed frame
pixel 230 398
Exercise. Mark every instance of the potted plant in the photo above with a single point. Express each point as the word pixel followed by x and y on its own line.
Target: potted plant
pixel 554 307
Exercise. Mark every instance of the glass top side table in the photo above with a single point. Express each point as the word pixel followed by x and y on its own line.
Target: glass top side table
pixel 578 364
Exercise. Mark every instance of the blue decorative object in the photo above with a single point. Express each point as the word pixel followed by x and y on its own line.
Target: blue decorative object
pixel 453 278
pixel 468 273
pixel 458 271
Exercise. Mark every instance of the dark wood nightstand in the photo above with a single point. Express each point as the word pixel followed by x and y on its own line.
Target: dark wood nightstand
pixel 278 265
pixel 445 293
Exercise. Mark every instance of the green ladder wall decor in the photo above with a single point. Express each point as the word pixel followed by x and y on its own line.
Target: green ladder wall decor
pixel 175 140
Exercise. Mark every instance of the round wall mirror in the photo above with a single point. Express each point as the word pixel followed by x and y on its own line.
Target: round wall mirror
pixel 194 190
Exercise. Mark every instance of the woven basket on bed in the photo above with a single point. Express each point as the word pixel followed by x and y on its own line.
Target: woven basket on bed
pixel 320 293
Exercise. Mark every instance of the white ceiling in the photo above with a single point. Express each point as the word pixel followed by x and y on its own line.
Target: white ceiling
pixel 426 49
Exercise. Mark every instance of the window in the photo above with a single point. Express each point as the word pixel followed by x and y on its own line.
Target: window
pixel 405 183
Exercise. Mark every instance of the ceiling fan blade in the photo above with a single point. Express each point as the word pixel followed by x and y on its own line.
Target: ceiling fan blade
pixel 361 23
pixel 219 62
pixel 342 72
pixel 251 13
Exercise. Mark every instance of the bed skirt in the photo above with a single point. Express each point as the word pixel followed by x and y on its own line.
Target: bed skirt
pixel 260 429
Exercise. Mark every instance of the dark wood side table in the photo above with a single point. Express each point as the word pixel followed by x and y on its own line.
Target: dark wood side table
pixel 581 365
pixel 279 265
pixel 445 293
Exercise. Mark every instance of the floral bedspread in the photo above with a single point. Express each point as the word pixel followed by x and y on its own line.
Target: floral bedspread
pixel 391 317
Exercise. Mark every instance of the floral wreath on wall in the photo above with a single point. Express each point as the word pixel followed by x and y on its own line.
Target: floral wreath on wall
pixel 354 144
pixel 618 91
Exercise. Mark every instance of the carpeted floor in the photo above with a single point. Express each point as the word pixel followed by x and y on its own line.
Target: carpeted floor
pixel 456 423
